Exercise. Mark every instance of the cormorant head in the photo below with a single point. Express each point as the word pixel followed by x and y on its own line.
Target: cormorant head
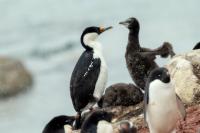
pixel 131 23
pixel 90 35
pixel 161 74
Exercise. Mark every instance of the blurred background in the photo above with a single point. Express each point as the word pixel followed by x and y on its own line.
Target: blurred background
pixel 45 37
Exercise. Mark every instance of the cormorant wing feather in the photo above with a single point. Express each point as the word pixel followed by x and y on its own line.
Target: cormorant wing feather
pixel 83 79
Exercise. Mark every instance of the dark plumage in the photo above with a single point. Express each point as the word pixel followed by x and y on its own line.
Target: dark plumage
pixel 56 125
pixel 140 61
pixel 82 88
pixel 197 46
pixel 121 94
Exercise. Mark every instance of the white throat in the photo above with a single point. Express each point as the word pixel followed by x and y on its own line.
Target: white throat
pixel 90 40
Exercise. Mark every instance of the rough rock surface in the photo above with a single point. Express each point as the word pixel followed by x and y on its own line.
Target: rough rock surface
pixel 132 113
pixel 13 77
pixel 185 71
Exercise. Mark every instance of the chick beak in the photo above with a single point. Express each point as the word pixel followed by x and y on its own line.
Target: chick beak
pixel 105 29
pixel 125 23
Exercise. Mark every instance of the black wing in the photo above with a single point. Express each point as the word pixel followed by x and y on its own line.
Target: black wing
pixel 83 80
pixel 146 100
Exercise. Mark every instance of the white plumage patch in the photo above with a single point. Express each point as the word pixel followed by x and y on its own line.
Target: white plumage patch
pixel 103 75
pixel 104 127
pixel 90 40
pixel 68 129
pixel 90 66
pixel 162 110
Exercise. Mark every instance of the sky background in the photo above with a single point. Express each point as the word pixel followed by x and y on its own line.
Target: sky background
pixel 45 36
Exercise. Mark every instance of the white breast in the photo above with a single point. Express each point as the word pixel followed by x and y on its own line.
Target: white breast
pixel 103 75
pixel 162 111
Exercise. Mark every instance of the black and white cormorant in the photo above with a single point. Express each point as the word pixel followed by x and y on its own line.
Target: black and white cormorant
pixel 89 76
pixel 140 61
pixel 60 124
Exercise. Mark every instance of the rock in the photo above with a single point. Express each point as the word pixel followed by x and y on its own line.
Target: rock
pixel 135 115
pixel 13 77
pixel 192 122
pixel 185 72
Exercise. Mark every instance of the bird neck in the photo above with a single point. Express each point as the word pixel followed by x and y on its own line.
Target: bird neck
pixel 95 46
pixel 133 40
pixel 97 49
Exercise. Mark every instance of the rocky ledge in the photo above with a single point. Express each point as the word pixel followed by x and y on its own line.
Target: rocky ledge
pixel 185 72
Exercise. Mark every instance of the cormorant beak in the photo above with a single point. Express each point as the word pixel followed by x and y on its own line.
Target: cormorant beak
pixel 102 29
pixel 125 23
